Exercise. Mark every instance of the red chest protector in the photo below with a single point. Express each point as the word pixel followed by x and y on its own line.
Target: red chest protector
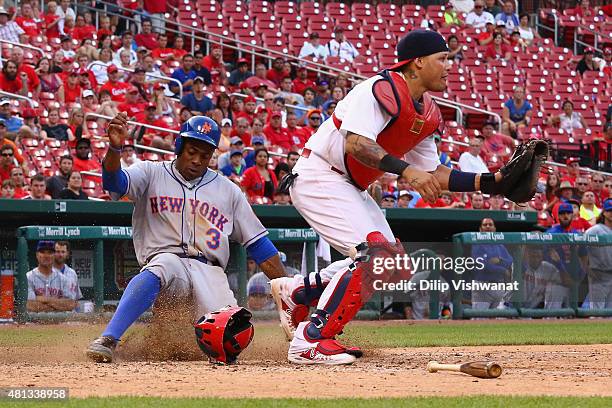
pixel 406 129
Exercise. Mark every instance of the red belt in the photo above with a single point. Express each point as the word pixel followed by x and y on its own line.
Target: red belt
pixel 306 153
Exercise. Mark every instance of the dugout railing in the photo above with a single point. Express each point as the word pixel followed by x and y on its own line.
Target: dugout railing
pixel 516 243
pixel 100 234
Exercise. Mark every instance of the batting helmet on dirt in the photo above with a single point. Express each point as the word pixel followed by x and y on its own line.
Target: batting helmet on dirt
pixel 223 334
pixel 201 128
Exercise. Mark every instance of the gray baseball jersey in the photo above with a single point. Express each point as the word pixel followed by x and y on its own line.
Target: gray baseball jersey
pixel 197 218
pixel 71 274
pixel 55 285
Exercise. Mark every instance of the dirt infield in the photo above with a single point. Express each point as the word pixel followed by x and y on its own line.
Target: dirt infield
pixel 559 370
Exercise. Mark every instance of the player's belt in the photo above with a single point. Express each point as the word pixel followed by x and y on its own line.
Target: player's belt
pixel 202 259
pixel 307 152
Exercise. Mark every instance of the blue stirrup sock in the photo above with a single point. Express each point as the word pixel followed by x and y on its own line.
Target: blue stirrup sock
pixel 138 297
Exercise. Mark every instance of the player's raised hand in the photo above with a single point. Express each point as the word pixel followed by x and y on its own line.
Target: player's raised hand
pixel 117 130
pixel 426 184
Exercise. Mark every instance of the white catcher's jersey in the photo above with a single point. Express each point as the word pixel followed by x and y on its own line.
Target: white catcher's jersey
pixel 196 218
pixel 361 114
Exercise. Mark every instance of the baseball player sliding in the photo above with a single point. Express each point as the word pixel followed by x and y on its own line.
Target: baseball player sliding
pixel 184 216
pixel 383 125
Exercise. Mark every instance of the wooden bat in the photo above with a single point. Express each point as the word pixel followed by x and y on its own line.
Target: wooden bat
pixel 480 369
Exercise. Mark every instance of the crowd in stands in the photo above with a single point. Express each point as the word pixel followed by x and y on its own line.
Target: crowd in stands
pixel 266 113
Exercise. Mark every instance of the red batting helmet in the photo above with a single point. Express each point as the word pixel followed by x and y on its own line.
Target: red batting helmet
pixel 223 334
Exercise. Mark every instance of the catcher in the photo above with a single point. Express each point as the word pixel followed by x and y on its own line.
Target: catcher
pixel 383 125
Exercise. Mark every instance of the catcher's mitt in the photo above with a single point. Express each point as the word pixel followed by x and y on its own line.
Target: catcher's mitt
pixel 520 174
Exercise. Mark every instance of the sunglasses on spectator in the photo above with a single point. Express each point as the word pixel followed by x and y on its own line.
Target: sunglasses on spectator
pixel 7 154
pixel 582 184
pixel 314 118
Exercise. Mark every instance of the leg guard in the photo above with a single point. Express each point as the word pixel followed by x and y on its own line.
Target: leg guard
pixel 348 291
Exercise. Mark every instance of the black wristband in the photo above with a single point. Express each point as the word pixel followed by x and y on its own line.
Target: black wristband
pixel 392 164
pixel 488 185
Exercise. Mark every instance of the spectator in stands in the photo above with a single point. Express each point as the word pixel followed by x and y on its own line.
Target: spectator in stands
pixel 7 160
pixel 83 160
pixel 64 11
pixel 179 47
pixel 100 66
pixel 241 129
pixel 126 44
pixel 455 49
pixel 302 82
pixel 259 181
pixel 55 129
pixel 496 202
pixel 74 189
pixel 67 47
pixel 478 18
pixel 162 51
pixel 12 123
pixel 147 38
pixel 573 168
pixel 37 189
pixel 115 87
pixel 313 118
pixel 235 168
pixel 76 123
pixel 128 155
pixel 527 33
pixel 236 143
pixel 328 108
pixel 516 113
pixel 82 30
pixel 497 49
pixel 11 82
pixel 444 157
pixel 587 63
pixel 286 92
pixel 341 47
pixel 477 201
pixel 497 268
pixel 33 81
pixel 259 79
pixel 582 185
pixel 495 143
pixel 600 261
pixel 282 198
pixel 470 160
pixel 552 185
pixel 26 21
pixel 486 37
pixel 404 198
pixel 583 8
pixel 19 182
pixel 224 103
pixel 508 16
pixel 214 61
pixel 70 90
pixel 277 72
pixel 55 184
pixel 281 170
pixel 451 16
pixel 337 94
pixel 8 189
pixel 197 101
pixel 578 223
pixel 276 134
pixel 48 289
pixel 241 72
pixel 31 126
pixel 292 158
pixel 569 119
pixel 387 200
pixel 156 138
pixel 185 74
pixel 49 81
pixel 314 48
pixel 605 64
pixel 133 104
pixel 491 6
pixel 597 187
pixel 588 210
pixel 9 29
pixel 200 70
pixel 125 65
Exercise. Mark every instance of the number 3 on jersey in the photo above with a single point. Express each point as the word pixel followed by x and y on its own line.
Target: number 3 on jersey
pixel 214 241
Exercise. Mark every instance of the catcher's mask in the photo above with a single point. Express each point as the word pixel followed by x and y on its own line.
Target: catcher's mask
pixel 223 334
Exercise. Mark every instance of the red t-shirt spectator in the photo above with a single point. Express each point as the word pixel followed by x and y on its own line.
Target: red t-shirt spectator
pixel 20 193
pixel 278 137
pixel 103 31
pixel 86 165
pixel 51 32
pixel 132 109
pixel 85 32
pixel 33 80
pixel 16 153
pixel 71 95
pixel 211 64
pixel 297 136
pixel 155 6
pixel 31 27
pixel 246 137
pixel 5 174
pixel 146 40
pixel 254 183
pixel 299 86
pixel 163 53
pixel 117 90
pixel 276 77
pixel 491 52
pixel 12 86
pixel 178 53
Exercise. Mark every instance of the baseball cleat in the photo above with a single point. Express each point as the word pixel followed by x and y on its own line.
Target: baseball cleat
pixel 290 314
pixel 324 352
pixel 101 349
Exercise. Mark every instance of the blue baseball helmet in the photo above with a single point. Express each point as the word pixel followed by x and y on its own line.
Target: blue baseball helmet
pixel 201 128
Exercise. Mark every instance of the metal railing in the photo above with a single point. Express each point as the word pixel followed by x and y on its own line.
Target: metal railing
pixel 287 105
pixel 555 29
pixel 165 78
pixel 20 45
pixel 577 42
pixel 470 107
pixel 32 102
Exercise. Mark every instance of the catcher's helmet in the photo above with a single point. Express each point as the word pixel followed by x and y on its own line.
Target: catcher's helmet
pixel 223 334
pixel 198 127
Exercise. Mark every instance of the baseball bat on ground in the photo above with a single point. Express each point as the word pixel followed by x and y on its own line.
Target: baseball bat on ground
pixel 480 369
